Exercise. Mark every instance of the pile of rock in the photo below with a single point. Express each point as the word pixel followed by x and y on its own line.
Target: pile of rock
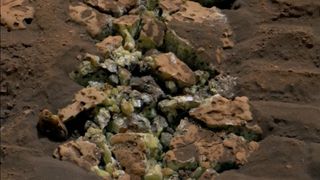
pixel 149 113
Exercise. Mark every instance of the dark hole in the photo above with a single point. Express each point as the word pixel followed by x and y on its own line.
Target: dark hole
pixel 222 4
pixel 28 20
pixel 15 24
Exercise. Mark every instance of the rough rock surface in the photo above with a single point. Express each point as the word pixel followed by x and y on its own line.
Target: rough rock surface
pixel 15 14
pixel 83 153
pixel 192 146
pixel 194 22
pixel 97 24
pixel 116 8
pixel 130 151
pixel 129 22
pixel 109 44
pixel 170 67
pixel 218 111
pixel 152 33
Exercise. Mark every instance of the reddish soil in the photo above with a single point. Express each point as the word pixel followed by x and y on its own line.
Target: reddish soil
pixel 276 58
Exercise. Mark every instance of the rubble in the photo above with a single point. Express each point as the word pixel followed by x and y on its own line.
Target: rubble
pixel 193 146
pixel 152 101
pixel 15 14
pixel 97 24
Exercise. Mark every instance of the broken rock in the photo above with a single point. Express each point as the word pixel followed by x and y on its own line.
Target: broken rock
pixel 15 14
pixel 109 44
pixel 218 111
pixel 193 146
pixel 196 33
pixel 83 153
pixel 97 24
pixel 169 67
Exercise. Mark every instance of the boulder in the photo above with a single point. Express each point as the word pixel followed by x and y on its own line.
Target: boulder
pixel 109 44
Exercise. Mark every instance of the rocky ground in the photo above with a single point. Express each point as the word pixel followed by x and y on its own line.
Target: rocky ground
pixel 275 57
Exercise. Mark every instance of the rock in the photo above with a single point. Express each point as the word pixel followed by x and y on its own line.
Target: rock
pixel 218 111
pixel 103 117
pixel 208 174
pixel 116 8
pixel 83 153
pixel 109 44
pixel 154 172
pixel 125 58
pixel 197 34
pixel 170 107
pixel 224 85
pixel 15 14
pixel 169 67
pixel 148 85
pixel 127 22
pixel 170 6
pixel 132 151
pixel 193 146
pixel 51 125
pixel 165 139
pixel 85 99
pixel 97 24
pixel 124 76
pixel 152 33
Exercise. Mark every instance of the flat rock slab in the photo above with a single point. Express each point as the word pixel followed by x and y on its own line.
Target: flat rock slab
pixel 218 111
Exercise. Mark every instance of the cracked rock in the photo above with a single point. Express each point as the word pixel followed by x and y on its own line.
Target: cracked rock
pixel 169 67
pixel 218 111
pixel 15 14
pixel 193 22
pixel 97 24
pixel 116 8
pixel 109 44
pixel 83 153
pixel 193 146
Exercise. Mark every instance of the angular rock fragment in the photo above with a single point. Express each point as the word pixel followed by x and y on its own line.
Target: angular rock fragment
pixel 97 24
pixel 170 107
pixel 218 111
pixel 53 125
pixel 127 22
pixel 15 14
pixel 116 8
pixel 83 153
pixel 193 146
pixel 152 33
pixel 148 85
pixel 170 6
pixel 133 149
pixel 109 44
pixel 196 35
pixel 169 67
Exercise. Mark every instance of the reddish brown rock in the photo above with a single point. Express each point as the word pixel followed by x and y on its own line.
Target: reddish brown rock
pixel 15 14
pixel 218 111
pixel 109 44
pixel 130 151
pixel 116 8
pixel 198 35
pixel 169 67
pixel 97 24
pixel 170 6
pixel 193 146
pixel 83 153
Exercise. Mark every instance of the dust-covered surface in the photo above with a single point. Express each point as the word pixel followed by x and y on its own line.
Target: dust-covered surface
pixel 275 59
